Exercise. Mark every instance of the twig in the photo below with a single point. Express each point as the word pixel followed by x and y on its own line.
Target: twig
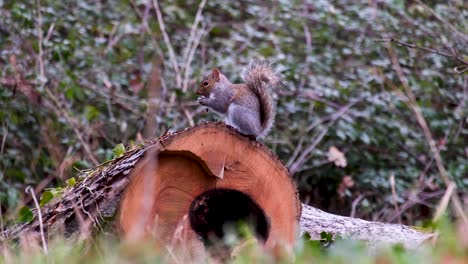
pixel 422 175
pixel 144 24
pixel 113 38
pixel 296 152
pixel 167 41
pixel 39 214
pixel 188 62
pixel 454 55
pixel 415 199
pixel 173 256
pixel 313 125
pixel 1 220
pixel 193 29
pixel 308 38
pixel 179 231
pixel 192 44
pixel 444 202
pixel 319 122
pixel 39 32
pixel 431 161
pixel 189 116
pixel 84 224
pixel 92 220
pixel 49 32
pixel 5 133
pixel 302 158
pixel 395 202
pixel 301 139
pixel 354 205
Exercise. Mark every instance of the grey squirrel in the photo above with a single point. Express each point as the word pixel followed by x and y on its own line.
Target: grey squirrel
pixel 248 107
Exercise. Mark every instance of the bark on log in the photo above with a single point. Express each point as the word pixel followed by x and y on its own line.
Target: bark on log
pixel 96 198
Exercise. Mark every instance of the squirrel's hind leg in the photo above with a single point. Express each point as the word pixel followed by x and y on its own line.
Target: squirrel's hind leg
pixel 243 120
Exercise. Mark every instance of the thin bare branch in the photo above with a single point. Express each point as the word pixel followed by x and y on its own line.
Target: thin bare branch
pixel 188 67
pixel 42 77
pixel 308 38
pixel 49 32
pixel 452 55
pixel 444 202
pixel 144 24
pixel 1 221
pixel 414 199
pixel 354 205
pixel 167 41
pixel 302 158
pixel 39 214
pixel 296 152
pixel 193 30
pixel 395 200
pixel 5 134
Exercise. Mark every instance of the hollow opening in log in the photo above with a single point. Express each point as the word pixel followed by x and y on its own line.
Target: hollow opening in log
pixel 218 212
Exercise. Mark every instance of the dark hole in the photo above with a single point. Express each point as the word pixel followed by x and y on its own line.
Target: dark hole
pixel 217 211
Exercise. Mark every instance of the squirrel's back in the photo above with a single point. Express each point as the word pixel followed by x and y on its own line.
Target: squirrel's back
pixel 261 79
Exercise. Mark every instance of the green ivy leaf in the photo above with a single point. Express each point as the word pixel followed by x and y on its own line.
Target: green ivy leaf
pixel 25 215
pixel 327 237
pixel 71 181
pixel 91 112
pixel 46 197
pixel 119 150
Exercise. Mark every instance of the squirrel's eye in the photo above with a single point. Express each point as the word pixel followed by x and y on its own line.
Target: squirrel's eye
pixel 205 83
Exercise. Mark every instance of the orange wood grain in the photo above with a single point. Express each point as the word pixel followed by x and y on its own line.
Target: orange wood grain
pixel 199 159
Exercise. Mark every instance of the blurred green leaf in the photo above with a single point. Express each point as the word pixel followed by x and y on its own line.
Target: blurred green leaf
pixel 119 150
pixel 46 197
pixel 25 215
pixel 91 112
pixel 71 182
pixel 327 237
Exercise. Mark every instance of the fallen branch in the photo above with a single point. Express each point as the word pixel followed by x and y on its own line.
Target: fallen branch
pixel 375 234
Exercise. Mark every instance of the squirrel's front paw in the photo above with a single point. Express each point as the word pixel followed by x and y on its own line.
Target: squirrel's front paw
pixel 203 100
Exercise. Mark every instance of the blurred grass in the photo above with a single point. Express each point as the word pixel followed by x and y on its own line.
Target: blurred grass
pixel 447 248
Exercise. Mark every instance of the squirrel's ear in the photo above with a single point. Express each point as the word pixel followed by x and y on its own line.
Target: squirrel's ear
pixel 216 73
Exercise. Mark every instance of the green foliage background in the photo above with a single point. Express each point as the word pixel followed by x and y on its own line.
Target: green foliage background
pixel 98 57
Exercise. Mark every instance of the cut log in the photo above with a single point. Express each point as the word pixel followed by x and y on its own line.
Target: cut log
pixel 251 183
pixel 187 184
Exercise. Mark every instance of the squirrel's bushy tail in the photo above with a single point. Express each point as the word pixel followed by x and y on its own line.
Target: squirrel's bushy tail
pixel 261 78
